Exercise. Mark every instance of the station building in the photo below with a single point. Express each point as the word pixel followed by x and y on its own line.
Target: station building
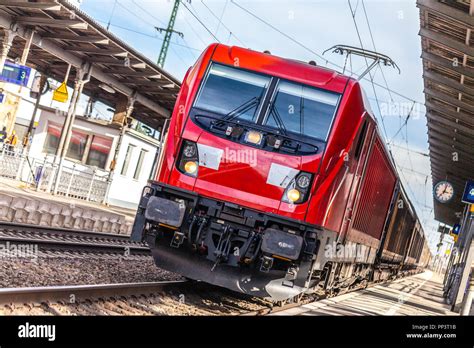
pixel 92 148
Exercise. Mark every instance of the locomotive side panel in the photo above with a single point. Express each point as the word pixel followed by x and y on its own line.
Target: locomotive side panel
pixel 373 201
pixel 343 165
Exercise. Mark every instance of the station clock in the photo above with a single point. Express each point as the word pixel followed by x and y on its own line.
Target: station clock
pixel 443 191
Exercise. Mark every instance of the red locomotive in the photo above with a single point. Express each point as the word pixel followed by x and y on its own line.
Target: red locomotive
pixel 274 181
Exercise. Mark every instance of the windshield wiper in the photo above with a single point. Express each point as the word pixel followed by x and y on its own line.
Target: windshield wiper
pixel 264 129
pixel 239 110
pixel 276 115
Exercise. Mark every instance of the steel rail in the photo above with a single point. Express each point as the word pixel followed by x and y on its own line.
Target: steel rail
pixel 65 239
pixel 4 225
pixel 80 293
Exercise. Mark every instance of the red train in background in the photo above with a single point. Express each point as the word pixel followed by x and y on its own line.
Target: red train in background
pixel 274 182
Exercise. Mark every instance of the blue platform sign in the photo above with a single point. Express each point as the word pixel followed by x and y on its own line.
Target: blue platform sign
pixel 15 73
pixel 456 229
pixel 2 96
pixel 468 196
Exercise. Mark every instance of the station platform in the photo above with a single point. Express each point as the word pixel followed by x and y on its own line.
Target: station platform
pixel 420 294
pixel 20 204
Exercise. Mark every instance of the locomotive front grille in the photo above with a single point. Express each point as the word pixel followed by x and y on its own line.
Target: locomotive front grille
pixel 225 233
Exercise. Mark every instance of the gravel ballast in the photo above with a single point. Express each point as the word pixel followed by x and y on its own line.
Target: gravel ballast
pixel 49 271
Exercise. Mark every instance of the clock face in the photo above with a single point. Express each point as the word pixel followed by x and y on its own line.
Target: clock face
pixel 443 191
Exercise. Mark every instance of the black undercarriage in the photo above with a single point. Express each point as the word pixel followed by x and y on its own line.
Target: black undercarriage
pixel 228 245
pixel 255 253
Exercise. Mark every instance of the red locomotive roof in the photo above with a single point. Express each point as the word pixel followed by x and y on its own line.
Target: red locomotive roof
pixel 281 67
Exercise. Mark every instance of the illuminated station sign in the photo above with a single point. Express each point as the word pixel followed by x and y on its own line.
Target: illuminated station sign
pixel 468 196
pixel 15 73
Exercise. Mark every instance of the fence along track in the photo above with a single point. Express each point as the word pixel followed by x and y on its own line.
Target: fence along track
pixel 75 180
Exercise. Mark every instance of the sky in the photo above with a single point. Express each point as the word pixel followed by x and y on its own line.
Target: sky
pixel 309 28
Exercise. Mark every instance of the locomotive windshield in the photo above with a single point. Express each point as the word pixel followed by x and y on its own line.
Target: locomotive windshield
pixel 293 108
pixel 303 110
pixel 227 90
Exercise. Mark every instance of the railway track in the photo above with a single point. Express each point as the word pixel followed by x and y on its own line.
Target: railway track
pixel 60 239
pixel 175 297
pixel 181 297
pixel 81 292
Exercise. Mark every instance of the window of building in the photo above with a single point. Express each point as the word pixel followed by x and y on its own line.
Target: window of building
pixel 53 134
pixel 77 145
pixel 86 148
pixel 139 164
pixel 128 157
pixel 99 151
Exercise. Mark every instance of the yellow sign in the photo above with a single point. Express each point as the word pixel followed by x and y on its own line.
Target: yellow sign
pixel 447 252
pixel 60 94
pixel 455 238
pixel 472 208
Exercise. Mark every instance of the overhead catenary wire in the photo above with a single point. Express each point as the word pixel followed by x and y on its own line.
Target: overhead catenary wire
pixel 220 22
pixel 111 14
pixel 315 53
pixel 149 35
pixel 134 14
pixel 200 21
pixel 222 15
pixel 281 32
pixel 153 26
pixel 178 55
pixel 195 32
pixel 403 125
pixel 148 13
pixel 187 45
pixel 375 47
pixel 411 150
pixel 289 37
pixel 353 13
pixel 424 175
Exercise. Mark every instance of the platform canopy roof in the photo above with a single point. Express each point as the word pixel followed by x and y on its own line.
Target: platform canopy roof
pixel 65 35
pixel 447 37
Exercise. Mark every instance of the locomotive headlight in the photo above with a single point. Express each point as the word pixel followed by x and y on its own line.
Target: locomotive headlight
pixel 189 150
pixel 188 161
pixel 303 181
pixel 298 189
pixel 190 167
pixel 253 137
pixel 293 195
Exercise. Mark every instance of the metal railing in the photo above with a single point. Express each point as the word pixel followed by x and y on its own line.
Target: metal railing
pixel 74 179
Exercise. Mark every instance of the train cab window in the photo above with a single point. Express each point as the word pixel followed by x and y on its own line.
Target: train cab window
pixel 232 92
pixel 302 109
